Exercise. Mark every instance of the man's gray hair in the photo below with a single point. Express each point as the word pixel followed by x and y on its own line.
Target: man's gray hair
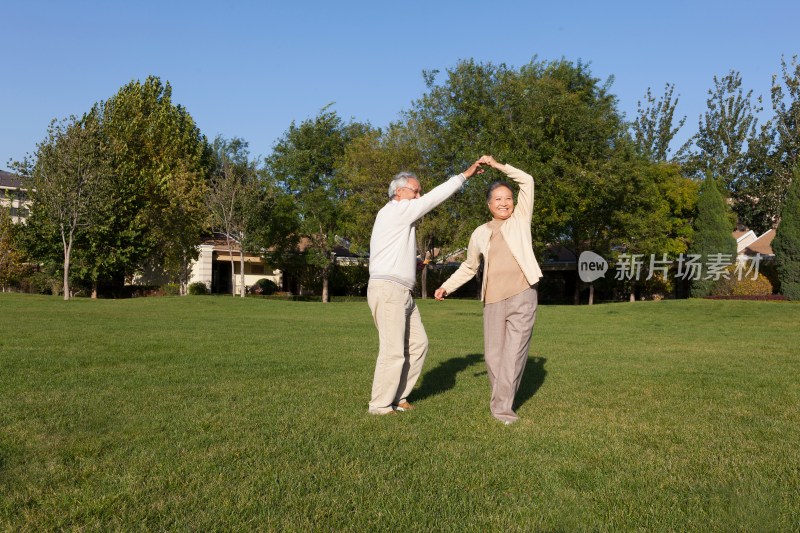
pixel 399 181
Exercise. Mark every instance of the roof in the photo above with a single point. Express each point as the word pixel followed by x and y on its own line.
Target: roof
pixel 762 245
pixel 9 180
pixel 744 239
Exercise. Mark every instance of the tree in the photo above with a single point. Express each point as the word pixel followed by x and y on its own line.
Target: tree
pixel 369 162
pixel 759 194
pixel 234 199
pixel 784 158
pixel 553 119
pixel 306 163
pixel 712 233
pixel 731 147
pixel 653 128
pixel 562 125
pixel 724 132
pixel 11 257
pixel 68 184
pixel 786 243
pixel 654 214
pixel 159 162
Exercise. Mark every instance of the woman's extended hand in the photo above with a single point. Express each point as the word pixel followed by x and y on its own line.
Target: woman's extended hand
pixel 440 294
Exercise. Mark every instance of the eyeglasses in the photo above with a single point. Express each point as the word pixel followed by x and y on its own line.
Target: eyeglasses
pixel 415 191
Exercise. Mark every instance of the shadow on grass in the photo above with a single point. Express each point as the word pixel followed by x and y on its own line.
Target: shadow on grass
pixel 532 380
pixel 443 377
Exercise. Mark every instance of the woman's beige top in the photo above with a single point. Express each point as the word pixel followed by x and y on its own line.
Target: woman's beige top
pixel 504 277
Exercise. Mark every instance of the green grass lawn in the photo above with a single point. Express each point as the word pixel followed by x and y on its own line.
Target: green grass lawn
pixel 216 413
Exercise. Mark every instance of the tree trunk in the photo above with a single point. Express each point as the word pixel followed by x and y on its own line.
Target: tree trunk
pixel 183 275
pixel 233 269
pixel 325 276
pixel 67 250
pixel 66 276
pixel 94 289
pixel 424 281
pixel 591 293
pixel 242 289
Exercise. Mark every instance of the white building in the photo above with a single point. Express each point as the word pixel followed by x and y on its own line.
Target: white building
pixel 13 196
pixel 213 268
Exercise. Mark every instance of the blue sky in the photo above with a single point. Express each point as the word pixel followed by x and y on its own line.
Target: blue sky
pixel 248 69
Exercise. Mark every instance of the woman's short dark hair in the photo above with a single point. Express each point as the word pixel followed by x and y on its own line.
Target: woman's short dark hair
pixel 495 185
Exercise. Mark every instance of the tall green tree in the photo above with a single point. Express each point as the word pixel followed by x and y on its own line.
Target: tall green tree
pixel 654 127
pixel 773 155
pixel 245 207
pixel 731 147
pixel 786 243
pixel 306 163
pixel 654 214
pixel 773 184
pixel 712 233
pixel 69 186
pixel 159 164
pixel 554 120
pixel 724 131
pixel 370 161
pixel 758 195
pixel 785 97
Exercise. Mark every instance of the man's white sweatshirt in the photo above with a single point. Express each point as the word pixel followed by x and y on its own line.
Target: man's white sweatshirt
pixel 393 246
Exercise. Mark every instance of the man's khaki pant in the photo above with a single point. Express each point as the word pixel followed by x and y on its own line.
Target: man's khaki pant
pixel 403 344
pixel 507 327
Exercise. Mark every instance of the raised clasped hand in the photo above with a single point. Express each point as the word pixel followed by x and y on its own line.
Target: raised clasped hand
pixel 488 160
pixel 475 168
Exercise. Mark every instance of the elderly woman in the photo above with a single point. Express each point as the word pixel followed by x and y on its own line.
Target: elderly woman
pixel 510 273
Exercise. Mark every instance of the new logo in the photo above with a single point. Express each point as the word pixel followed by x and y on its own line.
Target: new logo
pixel 591 267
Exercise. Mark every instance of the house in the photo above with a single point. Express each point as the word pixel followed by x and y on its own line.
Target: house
pixel 13 196
pixel 213 267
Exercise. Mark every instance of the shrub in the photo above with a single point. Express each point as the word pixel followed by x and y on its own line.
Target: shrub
pixel 171 289
pixel 786 244
pixel 712 231
pixel 349 280
pixel 747 286
pixel 198 288
pixel 264 287
pixel 752 287
pixel 41 282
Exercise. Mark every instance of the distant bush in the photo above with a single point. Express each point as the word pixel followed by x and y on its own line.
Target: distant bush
pixel 349 280
pixel 760 286
pixel 264 287
pixel 198 288
pixel 747 286
pixel 40 282
pixel 139 291
pixel 171 289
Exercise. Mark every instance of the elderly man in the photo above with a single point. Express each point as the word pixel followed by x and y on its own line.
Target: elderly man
pixel 392 276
